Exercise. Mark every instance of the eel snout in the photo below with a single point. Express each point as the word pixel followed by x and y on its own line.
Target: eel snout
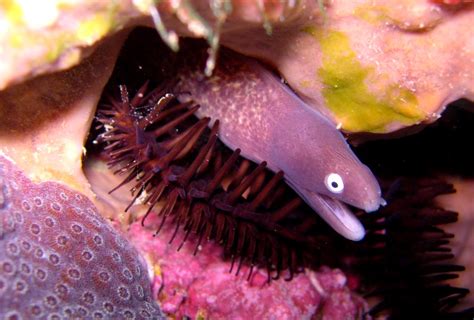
pixel 362 189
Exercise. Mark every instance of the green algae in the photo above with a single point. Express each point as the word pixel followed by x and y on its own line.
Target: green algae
pixel 93 28
pixel 201 315
pixel 347 94
pixel 88 31
pixel 371 14
pixel 12 11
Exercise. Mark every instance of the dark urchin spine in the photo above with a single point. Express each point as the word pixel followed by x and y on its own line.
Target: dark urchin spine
pixel 172 157
pixel 405 259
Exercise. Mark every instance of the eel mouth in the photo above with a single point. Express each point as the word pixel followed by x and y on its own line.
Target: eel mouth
pixel 338 215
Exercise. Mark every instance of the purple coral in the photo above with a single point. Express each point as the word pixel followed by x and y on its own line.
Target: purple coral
pixel 60 259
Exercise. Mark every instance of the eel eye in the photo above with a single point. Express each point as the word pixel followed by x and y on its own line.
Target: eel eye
pixel 334 183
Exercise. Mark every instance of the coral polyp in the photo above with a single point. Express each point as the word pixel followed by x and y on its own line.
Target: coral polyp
pixel 60 259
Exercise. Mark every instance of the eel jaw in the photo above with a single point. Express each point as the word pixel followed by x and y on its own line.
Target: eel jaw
pixel 336 214
pixel 333 211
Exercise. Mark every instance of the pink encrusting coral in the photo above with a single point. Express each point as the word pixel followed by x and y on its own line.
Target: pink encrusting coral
pixel 202 286
pixel 59 259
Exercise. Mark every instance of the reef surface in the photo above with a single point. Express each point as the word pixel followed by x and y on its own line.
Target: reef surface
pixel 404 59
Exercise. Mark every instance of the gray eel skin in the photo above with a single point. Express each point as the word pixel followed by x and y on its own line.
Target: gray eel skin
pixel 260 115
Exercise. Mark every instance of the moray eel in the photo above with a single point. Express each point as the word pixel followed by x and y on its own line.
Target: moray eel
pixel 260 115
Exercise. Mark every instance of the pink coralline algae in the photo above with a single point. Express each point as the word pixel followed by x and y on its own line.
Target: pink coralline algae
pixel 201 286
pixel 59 259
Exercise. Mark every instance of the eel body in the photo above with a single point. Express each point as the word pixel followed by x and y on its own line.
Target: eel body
pixel 260 115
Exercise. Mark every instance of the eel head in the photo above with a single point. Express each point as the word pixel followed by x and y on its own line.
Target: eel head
pixel 328 175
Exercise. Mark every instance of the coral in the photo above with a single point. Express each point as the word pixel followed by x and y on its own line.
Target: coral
pixel 201 285
pixel 59 258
